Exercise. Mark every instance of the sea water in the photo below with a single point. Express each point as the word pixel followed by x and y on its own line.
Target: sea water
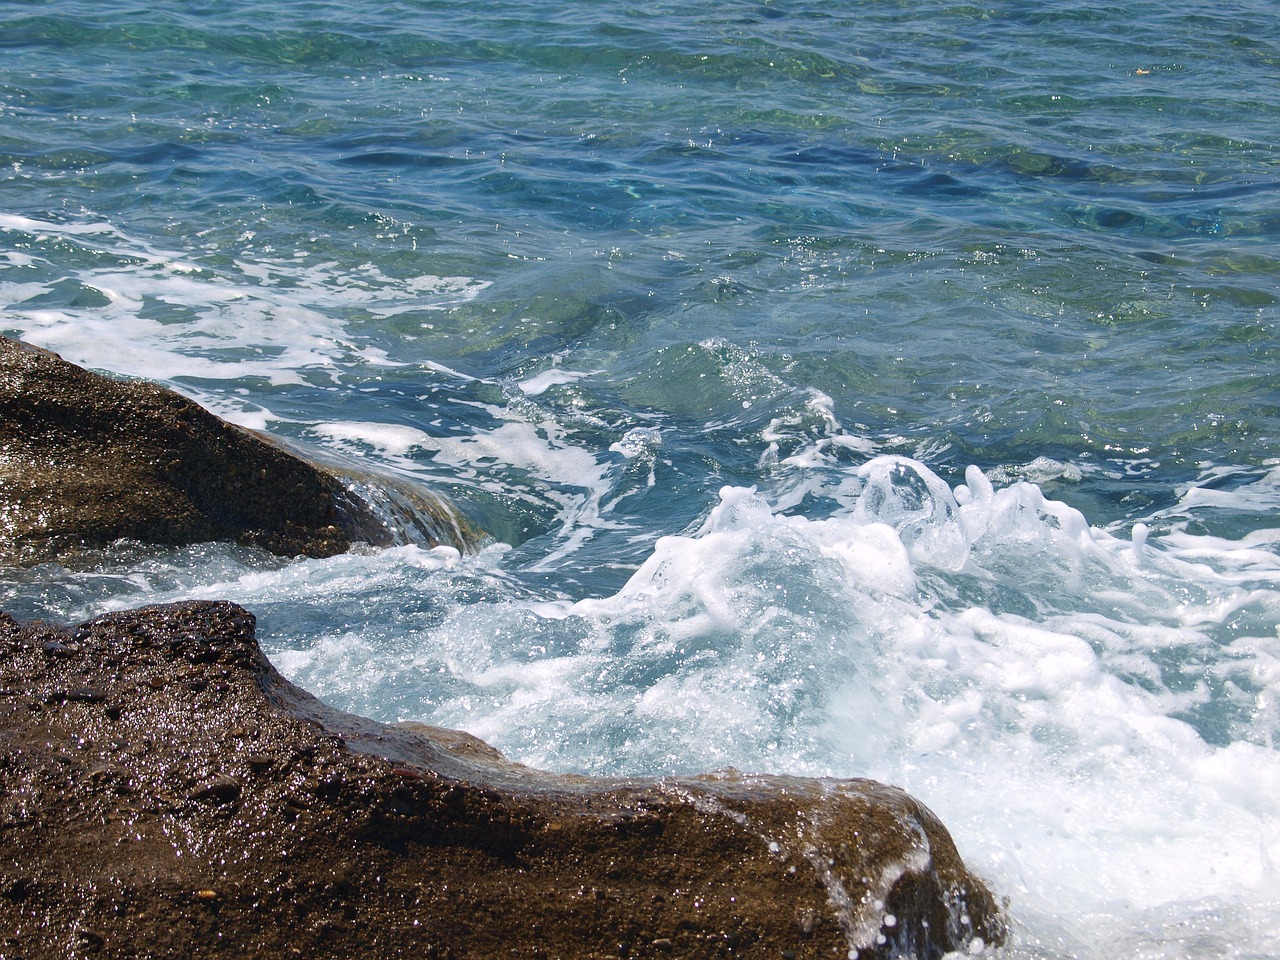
pixel 847 389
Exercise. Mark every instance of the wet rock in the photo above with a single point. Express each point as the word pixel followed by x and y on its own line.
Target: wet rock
pixel 305 831
pixel 259 761
pixel 219 790
pixel 56 649
pixel 86 461
pixel 17 889
pixel 91 939
pixel 86 695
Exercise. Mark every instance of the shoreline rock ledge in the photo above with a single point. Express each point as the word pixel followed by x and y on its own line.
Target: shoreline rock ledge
pixel 87 460
pixel 164 792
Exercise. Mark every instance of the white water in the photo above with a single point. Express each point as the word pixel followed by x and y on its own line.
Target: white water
pixel 1094 714
pixel 988 650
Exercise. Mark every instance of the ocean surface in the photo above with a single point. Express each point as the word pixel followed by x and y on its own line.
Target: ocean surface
pixel 848 389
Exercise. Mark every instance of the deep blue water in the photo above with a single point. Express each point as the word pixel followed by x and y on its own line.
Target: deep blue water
pixel 879 388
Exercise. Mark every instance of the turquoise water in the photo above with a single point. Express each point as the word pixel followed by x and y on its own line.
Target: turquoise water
pixel 858 389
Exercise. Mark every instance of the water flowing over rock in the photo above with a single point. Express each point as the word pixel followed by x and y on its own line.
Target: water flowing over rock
pixel 165 792
pixel 86 460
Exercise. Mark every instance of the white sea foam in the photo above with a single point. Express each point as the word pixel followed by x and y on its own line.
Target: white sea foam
pixel 986 648
pixel 1259 494
pixel 539 448
pixel 526 455
pixel 166 317
pixel 390 440
pixel 541 383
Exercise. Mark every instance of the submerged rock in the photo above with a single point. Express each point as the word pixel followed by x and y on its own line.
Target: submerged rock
pixel 199 804
pixel 86 460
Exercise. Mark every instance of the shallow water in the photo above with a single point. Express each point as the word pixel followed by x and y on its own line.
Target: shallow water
pixel 869 390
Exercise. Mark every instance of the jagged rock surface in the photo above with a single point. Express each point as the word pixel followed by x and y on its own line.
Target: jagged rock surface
pixel 165 793
pixel 86 460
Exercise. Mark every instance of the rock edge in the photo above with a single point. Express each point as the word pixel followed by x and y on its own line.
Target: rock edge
pixel 86 460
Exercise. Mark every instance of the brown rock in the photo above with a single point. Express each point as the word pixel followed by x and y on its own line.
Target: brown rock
pixel 257 822
pixel 86 460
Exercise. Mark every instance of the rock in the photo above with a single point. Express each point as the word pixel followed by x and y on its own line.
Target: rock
pixel 220 789
pixel 254 821
pixel 86 460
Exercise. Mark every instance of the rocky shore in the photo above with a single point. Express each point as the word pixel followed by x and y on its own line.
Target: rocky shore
pixel 87 460
pixel 164 792
pixel 167 793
